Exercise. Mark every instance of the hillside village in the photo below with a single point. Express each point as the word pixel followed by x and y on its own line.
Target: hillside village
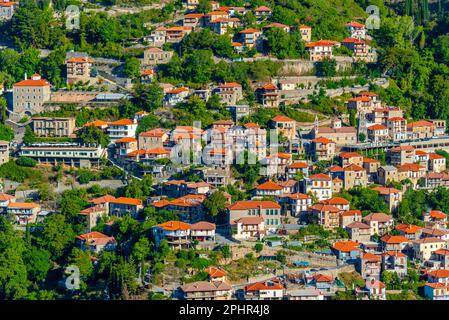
pixel 305 183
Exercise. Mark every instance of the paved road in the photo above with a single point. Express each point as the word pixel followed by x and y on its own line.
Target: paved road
pixel 113 184
pixel 118 10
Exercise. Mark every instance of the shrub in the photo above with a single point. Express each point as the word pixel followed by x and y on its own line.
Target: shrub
pixel 26 162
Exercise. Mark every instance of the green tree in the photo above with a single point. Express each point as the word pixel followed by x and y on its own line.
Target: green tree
pixel 131 67
pixel 29 136
pixel 149 97
pixel 204 6
pixel 6 133
pixel 37 263
pixel 215 203
pixel 82 260
pixel 327 68
pixel 56 235
pixel 13 273
pixel 93 135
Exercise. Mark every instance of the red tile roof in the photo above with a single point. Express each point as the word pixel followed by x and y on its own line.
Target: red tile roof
pixel 394 239
pixel 203 225
pixel 440 273
pixel 126 140
pixel 355 25
pixel 368 256
pixel 174 225
pixel 298 165
pixel 322 140
pixel 255 220
pixel 348 155
pixel 345 246
pixel 281 118
pixel 436 214
pixel 320 177
pixel 122 122
pixel 269 185
pixel 264 286
pixel 128 201
pixel 408 228
pixel 321 43
pixel 351 213
pixel 253 204
pixel 378 216
pixel 104 199
pixel 6 197
pixel 336 201
pixel 215 272
pixel 298 196
pixel 250 30
pixel 262 9
pixel 377 127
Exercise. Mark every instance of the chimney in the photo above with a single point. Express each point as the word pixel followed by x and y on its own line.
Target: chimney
pixel 25 76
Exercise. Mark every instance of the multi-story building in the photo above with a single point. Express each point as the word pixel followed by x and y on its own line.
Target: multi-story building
pixel 320 50
pixel 230 93
pixel 122 128
pixel 4 152
pixel 398 156
pixel 269 188
pixel 206 290
pixel 78 68
pixel 323 148
pixel 154 138
pixel 320 185
pixel 378 133
pixel 23 212
pixel 125 206
pixel 263 12
pixel 202 231
pixel 358 231
pixel 306 33
pixel 176 233
pixel 268 290
pixel 5 200
pixel 154 56
pixel 248 228
pixel 29 95
pixel 71 154
pixel 7 9
pixel 356 30
pixel 325 215
pixel 268 95
pixel 391 196
pixel 354 176
pixel 397 128
pixel 342 136
pixel 251 38
pixel 425 247
pixel 296 205
pixel 369 265
pixel 96 242
pixel 420 129
pixel 269 210
pixel 435 219
pixel 387 174
pixel 358 47
pixel 395 261
pixel 380 223
pixel 436 163
pixel 284 126
pixel 53 127
pixel 193 20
